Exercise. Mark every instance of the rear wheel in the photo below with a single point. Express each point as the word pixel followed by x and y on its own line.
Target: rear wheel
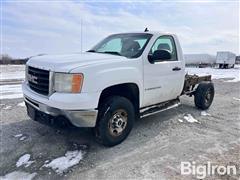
pixel 204 95
pixel 225 66
pixel 115 120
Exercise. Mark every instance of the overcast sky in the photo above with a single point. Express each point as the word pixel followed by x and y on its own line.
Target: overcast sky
pixel 30 28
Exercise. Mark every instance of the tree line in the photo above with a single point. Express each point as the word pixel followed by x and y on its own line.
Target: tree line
pixel 6 59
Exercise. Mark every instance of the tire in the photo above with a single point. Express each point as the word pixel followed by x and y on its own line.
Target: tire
pixel 225 66
pixel 115 120
pixel 204 95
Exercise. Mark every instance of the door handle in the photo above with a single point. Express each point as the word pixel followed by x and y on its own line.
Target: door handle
pixel 176 69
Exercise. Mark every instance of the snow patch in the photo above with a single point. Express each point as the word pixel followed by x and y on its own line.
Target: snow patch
pixel 12 72
pixel 22 104
pixel 190 118
pixel 180 120
pixel 233 74
pixel 233 80
pixel 7 107
pixel 18 175
pixel 11 91
pixel 24 160
pixel 18 135
pixel 237 99
pixel 61 164
pixel 204 113
pixel 23 138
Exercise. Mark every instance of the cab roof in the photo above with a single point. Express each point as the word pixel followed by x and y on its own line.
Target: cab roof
pixel 148 32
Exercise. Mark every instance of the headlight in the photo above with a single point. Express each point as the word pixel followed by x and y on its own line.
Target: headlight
pixel 64 82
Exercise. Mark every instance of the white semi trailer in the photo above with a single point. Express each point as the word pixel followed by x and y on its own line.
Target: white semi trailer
pixel 201 60
pixel 225 59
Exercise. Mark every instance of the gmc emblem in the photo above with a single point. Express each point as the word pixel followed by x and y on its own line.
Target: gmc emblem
pixel 32 79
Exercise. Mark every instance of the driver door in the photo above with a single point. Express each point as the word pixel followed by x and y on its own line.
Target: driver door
pixel 163 80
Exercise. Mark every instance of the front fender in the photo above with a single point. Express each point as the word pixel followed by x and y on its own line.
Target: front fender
pixel 114 76
pixel 99 77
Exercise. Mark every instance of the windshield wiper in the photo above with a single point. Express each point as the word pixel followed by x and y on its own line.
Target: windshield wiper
pixel 108 52
pixel 112 52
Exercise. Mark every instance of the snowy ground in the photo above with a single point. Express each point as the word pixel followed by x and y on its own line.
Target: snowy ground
pixel 11 77
pixel 154 149
pixel 232 74
pixel 11 91
pixel 12 72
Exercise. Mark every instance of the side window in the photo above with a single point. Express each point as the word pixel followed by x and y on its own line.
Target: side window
pixel 165 43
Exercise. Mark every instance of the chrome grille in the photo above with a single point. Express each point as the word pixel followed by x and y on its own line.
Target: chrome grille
pixel 38 80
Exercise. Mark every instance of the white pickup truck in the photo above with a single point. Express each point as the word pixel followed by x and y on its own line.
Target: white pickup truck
pixel 124 77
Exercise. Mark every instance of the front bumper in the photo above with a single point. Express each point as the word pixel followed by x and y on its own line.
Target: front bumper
pixel 79 118
pixel 79 108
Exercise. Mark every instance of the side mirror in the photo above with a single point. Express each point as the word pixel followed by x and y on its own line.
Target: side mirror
pixel 159 55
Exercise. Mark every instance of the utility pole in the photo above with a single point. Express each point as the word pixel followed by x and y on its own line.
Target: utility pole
pixel 81 34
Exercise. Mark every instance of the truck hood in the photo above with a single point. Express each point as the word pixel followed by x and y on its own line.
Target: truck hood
pixel 68 62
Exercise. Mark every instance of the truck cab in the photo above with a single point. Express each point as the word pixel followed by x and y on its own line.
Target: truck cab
pixel 123 77
pixel 163 77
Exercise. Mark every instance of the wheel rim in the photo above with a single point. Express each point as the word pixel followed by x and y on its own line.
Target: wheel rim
pixel 118 122
pixel 208 97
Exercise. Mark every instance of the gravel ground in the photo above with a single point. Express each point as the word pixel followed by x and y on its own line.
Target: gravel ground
pixel 154 149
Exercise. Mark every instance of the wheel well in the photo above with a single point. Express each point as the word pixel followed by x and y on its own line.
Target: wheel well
pixel 127 90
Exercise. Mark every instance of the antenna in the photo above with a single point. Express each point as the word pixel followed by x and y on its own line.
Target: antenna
pixel 146 29
pixel 81 35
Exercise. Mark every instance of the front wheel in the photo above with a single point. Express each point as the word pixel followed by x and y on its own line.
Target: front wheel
pixel 115 120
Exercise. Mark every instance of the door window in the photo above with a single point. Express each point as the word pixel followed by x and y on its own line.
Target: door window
pixel 165 43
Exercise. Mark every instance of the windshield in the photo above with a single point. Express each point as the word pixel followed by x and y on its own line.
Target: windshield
pixel 130 45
